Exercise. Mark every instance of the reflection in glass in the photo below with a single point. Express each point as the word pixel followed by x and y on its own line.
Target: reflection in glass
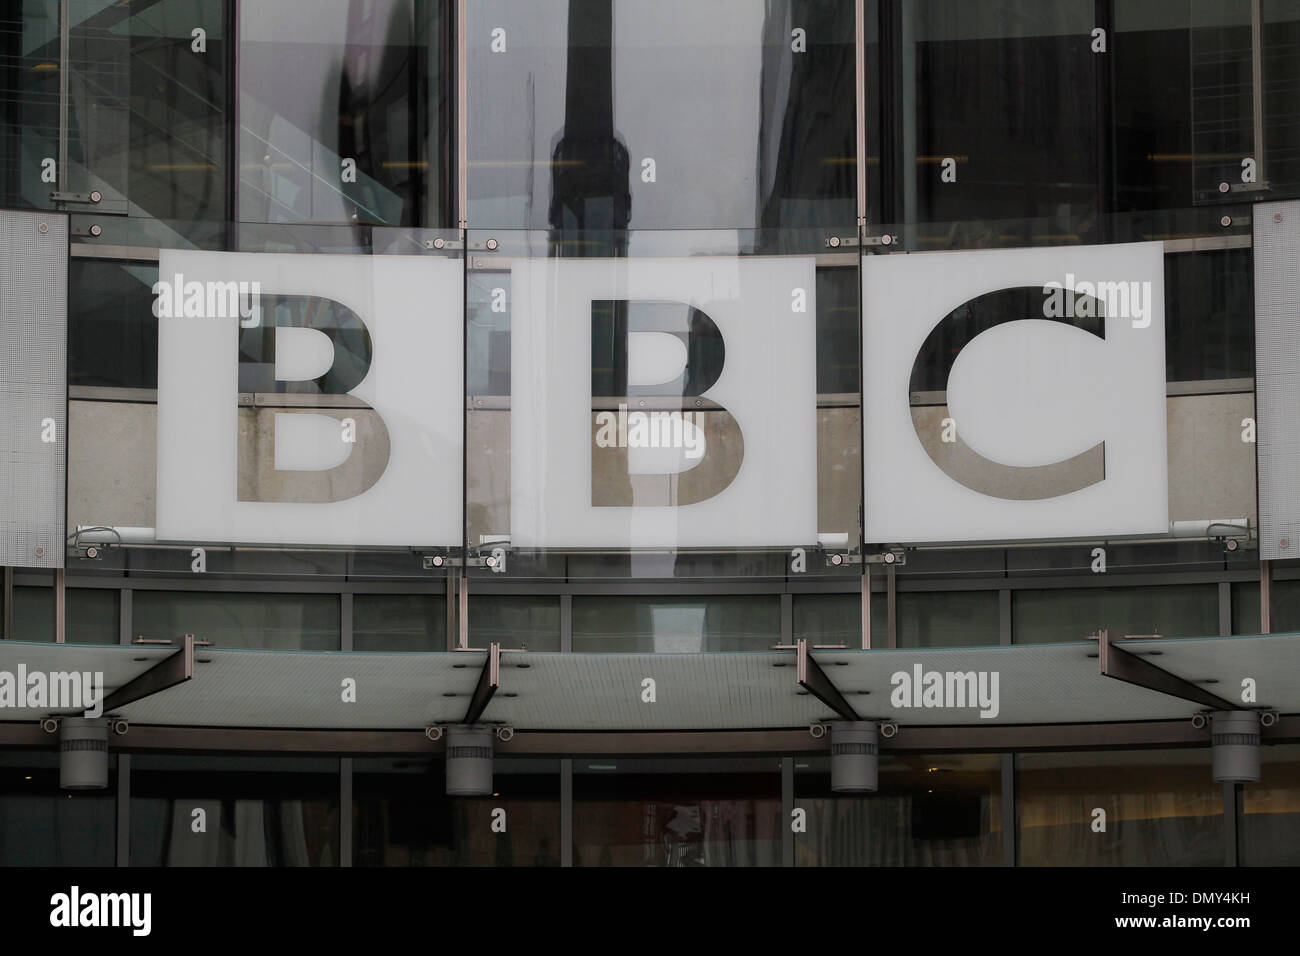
pixel 946 618
pixel 930 810
pixel 702 812
pixel 518 621
pixel 592 116
pixel 1071 614
pixel 41 825
pixel 308 622
pixel 399 622
pixel 344 112
pixel 91 615
pixel 1270 810
pixel 672 625
pixel 254 811
pixel 1162 808
pixel 402 816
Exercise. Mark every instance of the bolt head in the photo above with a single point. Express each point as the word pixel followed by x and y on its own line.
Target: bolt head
pixel 1277 217
pixel 1284 542
pixel 43 227
pixel 96 196
pixel 40 552
pixel 438 243
pixel 886 240
pixel 491 244
pixel 834 242
pixel 96 230
pixel 1224 187
pixel 1225 221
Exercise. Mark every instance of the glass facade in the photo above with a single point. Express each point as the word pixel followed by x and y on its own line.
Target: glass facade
pixel 611 330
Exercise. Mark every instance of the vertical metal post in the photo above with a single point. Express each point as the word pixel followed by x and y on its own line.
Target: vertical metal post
pixel 1265 597
pixel 1225 608
pixel 866 607
pixel 787 811
pixel 65 70
pixel 462 101
pixel 125 606
pixel 345 811
pixel 566 623
pixel 1257 85
pixel 8 604
pixel 891 600
pixel 566 812
pixel 907 113
pixel 123 810
pixel 1010 834
pixel 1004 616
pixel 60 607
pixel 462 616
pixel 345 621
pixel 1231 821
pixel 451 611
pixel 860 86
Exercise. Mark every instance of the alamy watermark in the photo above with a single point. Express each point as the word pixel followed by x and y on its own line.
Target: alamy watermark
pixel 624 429
pixel 53 690
pixel 948 689
pixel 175 298
pixel 1121 300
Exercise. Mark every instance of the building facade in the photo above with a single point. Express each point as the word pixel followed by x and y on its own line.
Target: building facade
pixel 669 391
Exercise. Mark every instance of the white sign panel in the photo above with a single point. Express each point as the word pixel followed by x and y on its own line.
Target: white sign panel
pixel 698 425
pixel 1053 365
pixel 364 447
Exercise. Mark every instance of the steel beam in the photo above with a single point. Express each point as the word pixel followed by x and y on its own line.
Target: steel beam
pixel 813 679
pixel 168 672
pixel 1128 667
pixel 489 679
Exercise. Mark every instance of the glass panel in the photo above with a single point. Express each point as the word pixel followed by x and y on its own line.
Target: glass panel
pixel 146 113
pixel 1245 607
pixel 519 621
pixel 1209 315
pixel 947 618
pixel 91 615
pixel 1162 808
pixel 628 423
pixel 402 815
pixel 930 810
pixel 344 113
pixel 1270 810
pixel 837 618
pixel 577 124
pixel 308 622
pixel 399 622
pixel 291 380
pixel 671 625
pixel 1068 614
pixel 234 811
pixel 41 825
pixel 1280 33
pixel 705 812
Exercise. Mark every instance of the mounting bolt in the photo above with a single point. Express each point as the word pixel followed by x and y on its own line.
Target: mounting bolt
pixel 439 243
pixel 43 227
pixel 833 242
pixel 96 195
pixel 1284 542
pixel 1225 221
pixel 96 229
pixel 40 552
pixel 1277 217
pixel 1224 187
pixel 491 244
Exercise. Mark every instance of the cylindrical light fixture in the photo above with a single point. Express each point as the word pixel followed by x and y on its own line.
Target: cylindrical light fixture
pixel 855 757
pixel 469 761
pixel 1234 740
pixel 83 753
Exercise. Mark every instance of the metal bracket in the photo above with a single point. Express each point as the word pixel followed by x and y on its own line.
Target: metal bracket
pixel 168 672
pixel 894 556
pixel 1128 667
pixel 489 679
pixel 882 240
pixel 813 679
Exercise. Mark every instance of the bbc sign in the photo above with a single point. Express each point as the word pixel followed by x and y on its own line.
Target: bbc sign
pixel 660 403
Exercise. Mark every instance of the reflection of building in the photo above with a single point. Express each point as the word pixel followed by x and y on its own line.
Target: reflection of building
pixel 541 117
